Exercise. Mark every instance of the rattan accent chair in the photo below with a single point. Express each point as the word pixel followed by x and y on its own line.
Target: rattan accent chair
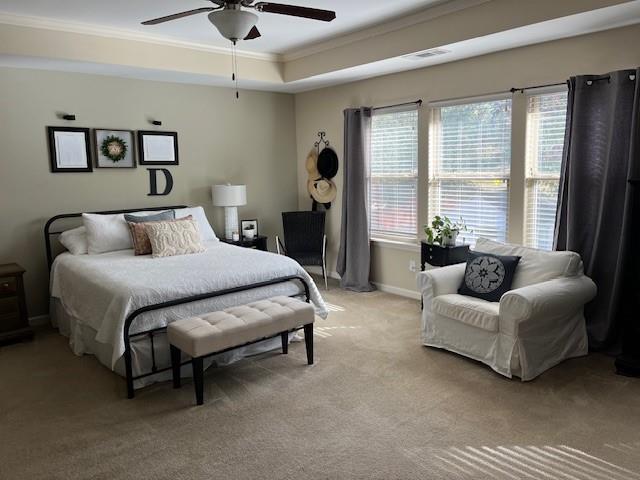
pixel 304 239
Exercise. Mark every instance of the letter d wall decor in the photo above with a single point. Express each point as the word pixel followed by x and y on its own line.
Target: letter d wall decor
pixel 153 182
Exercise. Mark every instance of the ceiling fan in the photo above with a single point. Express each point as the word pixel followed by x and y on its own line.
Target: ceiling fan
pixel 235 24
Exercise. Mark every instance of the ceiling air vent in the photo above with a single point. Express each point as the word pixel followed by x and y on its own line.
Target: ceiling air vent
pixel 434 52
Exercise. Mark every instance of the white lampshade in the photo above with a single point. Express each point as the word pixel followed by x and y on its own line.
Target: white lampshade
pixel 233 24
pixel 229 195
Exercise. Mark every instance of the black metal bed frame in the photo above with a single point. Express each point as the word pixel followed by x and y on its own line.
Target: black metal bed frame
pixel 130 378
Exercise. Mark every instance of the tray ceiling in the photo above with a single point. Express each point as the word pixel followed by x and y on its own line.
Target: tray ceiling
pixel 281 33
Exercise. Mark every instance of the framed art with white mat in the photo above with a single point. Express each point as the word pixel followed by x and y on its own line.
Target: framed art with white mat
pixel 69 149
pixel 157 148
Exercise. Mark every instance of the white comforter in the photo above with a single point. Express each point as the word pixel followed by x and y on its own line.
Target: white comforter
pixel 102 290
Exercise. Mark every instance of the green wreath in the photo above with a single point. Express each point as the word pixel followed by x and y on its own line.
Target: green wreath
pixel 114 148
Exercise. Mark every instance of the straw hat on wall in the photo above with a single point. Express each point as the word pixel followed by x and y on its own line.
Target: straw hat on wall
pixel 312 165
pixel 322 190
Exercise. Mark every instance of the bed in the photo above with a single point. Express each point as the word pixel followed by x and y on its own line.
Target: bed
pixel 117 305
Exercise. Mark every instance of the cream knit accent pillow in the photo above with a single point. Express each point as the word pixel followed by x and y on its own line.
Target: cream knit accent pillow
pixel 177 237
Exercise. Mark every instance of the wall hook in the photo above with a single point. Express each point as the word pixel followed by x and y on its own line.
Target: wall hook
pixel 322 140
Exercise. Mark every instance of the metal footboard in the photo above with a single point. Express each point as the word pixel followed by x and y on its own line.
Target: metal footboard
pixel 127 336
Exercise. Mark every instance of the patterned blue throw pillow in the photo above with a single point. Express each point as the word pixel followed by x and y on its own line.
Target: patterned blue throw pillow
pixel 488 276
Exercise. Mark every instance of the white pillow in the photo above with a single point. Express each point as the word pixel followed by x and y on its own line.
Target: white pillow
pixel 206 232
pixel 106 233
pixel 75 240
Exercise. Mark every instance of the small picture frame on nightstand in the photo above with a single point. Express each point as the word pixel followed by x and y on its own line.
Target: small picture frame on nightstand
pixel 249 229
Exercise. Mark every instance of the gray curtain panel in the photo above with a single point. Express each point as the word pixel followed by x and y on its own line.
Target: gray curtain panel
pixel 594 217
pixel 354 257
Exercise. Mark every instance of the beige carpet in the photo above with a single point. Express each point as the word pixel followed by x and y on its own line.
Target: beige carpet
pixel 376 405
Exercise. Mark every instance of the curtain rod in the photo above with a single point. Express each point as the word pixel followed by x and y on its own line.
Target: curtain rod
pixel 522 89
pixel 416 102
pixel 589 82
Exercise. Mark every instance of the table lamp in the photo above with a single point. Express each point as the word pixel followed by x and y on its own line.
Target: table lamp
pixel 230 197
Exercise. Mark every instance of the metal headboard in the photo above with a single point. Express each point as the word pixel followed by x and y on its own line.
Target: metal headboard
pixel 48 234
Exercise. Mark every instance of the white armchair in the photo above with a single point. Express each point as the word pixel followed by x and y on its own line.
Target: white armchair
pixel 536 325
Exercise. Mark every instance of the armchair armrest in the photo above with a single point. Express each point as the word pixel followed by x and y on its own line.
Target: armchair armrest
pixel 550 301
pixel 440 281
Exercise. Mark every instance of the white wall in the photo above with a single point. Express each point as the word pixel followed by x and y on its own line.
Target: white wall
pixel 539 64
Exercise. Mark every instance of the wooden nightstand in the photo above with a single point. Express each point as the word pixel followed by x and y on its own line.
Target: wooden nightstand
pixel 259 242
pixel 14 320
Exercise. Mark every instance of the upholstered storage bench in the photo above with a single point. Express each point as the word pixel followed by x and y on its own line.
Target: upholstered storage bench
pixel 217 332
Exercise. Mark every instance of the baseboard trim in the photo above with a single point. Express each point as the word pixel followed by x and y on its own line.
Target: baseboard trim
pixel 39 320
pixel 402 292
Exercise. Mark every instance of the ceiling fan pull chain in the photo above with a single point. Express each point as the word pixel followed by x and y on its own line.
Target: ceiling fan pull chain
pixel 233 63
pixel 237 74
pixel 234 66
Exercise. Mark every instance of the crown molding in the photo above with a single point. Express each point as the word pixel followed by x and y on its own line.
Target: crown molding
pixel 426 15
pixel 122 34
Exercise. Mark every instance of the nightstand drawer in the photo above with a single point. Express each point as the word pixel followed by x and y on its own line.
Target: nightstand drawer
pixel 8 287
pixel 9 306
pixel 14 318
pixel 10 317
pixel 10 322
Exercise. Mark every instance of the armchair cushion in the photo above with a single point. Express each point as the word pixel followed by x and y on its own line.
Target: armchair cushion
pixel 488 276
pixel 472 311
pixel 535 266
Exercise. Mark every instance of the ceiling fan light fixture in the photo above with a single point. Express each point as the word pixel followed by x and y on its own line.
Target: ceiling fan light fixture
pixel 233 24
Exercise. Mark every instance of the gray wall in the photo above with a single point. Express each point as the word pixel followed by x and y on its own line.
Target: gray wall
pixel 250 141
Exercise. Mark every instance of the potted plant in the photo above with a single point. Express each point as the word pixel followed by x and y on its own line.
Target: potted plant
pixel 444 232
pixel 249 232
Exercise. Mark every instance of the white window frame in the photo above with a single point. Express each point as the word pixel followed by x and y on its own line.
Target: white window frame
pixel 434 146
pixel 530 177
pixel 391 239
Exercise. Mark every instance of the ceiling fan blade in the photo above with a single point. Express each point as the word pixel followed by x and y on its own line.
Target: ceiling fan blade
pixel 295 11
pixel 253 33
pixel 176 16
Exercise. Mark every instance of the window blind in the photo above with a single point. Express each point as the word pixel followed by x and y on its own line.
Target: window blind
pixel 546 117
pixel 469 166
pixel 393 174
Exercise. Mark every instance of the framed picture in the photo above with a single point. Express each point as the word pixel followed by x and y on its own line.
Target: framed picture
pixel 114 148
pixel 157 148
pixel 249 229
pixel 69 149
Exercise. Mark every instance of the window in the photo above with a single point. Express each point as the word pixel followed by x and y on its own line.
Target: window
pixel 469 165
pixel 393 174
pixel 546 116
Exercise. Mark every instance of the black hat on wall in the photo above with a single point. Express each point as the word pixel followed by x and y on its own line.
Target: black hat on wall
pixel 328 163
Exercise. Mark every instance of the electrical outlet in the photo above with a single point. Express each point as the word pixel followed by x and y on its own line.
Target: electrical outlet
pixel 412 266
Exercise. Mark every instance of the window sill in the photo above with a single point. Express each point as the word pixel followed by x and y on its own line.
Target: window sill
pixel 406 245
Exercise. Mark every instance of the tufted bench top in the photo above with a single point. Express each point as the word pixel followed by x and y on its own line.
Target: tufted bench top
pixel 218 331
